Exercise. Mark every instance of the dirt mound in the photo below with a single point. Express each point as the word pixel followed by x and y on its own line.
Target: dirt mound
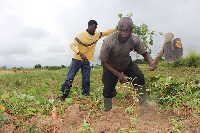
pixel 142 120
pixel 111 121
pixel 8 128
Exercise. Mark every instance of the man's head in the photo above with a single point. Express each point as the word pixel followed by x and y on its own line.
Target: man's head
pixel 92 26
pixel 125 28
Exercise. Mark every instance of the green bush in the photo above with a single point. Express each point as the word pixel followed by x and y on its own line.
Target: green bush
pixel 38 66
pixel 163 64
pixel 140 61
pixel 3 68
pixel 14 69
pixel 178 63
pixel 192 59
pixel 52 67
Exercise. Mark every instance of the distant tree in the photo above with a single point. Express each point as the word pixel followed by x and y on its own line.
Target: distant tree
pixel 63 66
pixel 3 68
pixel 52 67
pixel 21 68
pixel 38 66
pixel 14 69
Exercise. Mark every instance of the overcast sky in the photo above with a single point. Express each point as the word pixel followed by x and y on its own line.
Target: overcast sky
pixel 40 31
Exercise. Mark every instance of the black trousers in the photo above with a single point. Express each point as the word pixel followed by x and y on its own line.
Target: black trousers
pixel 110 80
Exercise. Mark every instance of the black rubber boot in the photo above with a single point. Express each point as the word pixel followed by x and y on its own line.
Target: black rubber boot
pixel 141 91
pixel 107 104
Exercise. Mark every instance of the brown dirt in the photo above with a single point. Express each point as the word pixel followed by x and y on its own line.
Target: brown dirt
pixel 5 72
pixel 2 72
pixel 144 121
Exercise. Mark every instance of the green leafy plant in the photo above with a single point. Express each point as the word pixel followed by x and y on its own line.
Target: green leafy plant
pixel 129 109
pixel 192 59
pixel 3 120
pixel 144 32
pixel 84 127
pixel 123 130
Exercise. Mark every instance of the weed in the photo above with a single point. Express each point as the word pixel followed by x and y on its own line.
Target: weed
pixel 3 120
pixel 84 127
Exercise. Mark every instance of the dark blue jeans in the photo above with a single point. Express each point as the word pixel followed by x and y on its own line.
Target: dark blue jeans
pixel 73 69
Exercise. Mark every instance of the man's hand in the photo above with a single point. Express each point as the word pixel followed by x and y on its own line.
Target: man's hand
pixel 83 57
pixel 122 78
pixel 152 66
pixel 147 58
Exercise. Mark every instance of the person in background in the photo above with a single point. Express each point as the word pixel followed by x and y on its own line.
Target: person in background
pixel 83 46
pixel 118 65
pixel 92 67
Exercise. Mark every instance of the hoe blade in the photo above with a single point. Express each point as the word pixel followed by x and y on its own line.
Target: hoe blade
pixel 173 50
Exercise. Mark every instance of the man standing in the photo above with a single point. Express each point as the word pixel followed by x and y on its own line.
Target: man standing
pixel 118 65
pixel 83 46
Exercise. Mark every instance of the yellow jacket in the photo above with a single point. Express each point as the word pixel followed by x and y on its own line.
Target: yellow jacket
pixel 85 43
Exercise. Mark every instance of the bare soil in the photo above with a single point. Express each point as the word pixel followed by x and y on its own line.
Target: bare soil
pixel 141 120
pixel 2 72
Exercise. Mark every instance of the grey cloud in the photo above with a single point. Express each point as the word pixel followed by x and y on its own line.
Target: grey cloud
pixel 55 48
pixel 15 46
pixel 33 32
pixel 28 45
pixel 22 41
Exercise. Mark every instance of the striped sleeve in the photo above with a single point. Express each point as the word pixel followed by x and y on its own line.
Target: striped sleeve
pixel 107 32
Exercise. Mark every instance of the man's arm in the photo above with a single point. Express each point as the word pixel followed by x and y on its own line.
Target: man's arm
pixel 73 46
pixel 140 49
pixel 148 59
pixel 83 57
pixel 105 33
pixel 122 78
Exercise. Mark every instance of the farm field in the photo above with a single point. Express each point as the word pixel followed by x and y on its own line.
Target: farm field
pixel 28 103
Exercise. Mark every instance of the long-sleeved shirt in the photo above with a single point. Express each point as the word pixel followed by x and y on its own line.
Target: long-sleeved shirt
pixel 86 43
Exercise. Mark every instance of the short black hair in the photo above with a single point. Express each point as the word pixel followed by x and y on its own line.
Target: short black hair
pixel 91 22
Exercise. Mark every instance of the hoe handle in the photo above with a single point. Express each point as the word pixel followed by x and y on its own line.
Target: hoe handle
pixel 157 59
pixel 159 56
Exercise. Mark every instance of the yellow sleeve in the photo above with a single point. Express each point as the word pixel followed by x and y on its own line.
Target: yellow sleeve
pixel 74 46
pixel 105 33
